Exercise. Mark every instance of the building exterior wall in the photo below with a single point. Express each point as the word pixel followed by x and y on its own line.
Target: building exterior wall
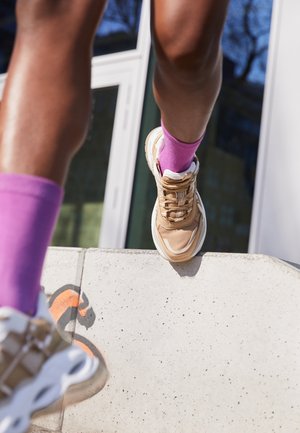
pixel 276 213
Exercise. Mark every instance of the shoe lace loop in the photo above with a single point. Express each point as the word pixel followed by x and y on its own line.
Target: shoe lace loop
pixel 176 199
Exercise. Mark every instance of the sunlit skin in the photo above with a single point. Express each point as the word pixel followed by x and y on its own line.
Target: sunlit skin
pixel 45 108
pixel 46 105
pixel 188 73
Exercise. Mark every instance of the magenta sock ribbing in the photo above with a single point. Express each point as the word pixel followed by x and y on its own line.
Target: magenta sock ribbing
pixel 29 207
pixel 176 155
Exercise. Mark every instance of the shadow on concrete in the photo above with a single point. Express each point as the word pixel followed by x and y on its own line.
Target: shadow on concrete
pixel 188 269
pixel 295 265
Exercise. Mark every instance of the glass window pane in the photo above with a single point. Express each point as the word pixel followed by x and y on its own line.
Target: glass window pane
pixel 119 28
pixel 7 32
pixel 229 155
pixel 80 218
pixel 229 152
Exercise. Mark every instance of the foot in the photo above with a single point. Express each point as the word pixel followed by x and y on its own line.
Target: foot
pixel 178 219
pixel 38 367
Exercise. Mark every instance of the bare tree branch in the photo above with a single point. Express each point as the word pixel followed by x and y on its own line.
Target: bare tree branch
pixel 247 33
pixel 125 13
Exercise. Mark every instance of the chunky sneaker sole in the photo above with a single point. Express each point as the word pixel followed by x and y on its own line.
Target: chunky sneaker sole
pixel 194 244
pixel 68 375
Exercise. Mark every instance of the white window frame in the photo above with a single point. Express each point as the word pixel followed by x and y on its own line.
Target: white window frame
pixel 275 228
pixel 2 82
pixel 127 70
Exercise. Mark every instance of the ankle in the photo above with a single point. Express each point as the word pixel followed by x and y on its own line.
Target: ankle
pixel 176 155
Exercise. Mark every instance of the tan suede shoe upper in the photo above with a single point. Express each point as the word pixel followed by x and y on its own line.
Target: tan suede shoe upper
pixel 178 218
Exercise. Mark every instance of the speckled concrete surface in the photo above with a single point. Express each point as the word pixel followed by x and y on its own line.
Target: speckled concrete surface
pixel 212 346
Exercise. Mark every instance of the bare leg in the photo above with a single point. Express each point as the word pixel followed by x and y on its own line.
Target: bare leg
pixel 187 79
pixel 46 103
pixel 43 121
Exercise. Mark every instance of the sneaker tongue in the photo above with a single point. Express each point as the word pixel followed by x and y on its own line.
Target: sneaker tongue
pixel 178 176
pixel 43 309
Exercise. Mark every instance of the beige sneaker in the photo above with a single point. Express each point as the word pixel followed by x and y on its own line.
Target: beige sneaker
pixel 38 367
pixel 178 218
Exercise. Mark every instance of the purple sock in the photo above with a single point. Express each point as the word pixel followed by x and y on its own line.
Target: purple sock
pixel 29 207
pixel 176 155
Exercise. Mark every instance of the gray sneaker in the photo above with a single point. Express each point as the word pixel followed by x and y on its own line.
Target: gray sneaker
pixel 38 367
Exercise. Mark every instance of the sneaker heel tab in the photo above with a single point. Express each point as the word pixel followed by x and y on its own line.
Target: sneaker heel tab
pixel 43 309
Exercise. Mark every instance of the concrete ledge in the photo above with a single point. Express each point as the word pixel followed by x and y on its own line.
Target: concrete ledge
pixel 212 346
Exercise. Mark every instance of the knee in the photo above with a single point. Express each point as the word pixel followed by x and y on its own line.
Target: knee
pixel 62 16
pixel 188 54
